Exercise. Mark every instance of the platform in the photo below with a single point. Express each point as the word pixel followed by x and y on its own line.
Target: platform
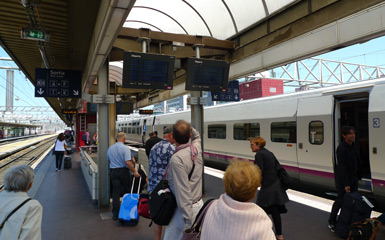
pixel 68 212
pixel 11 148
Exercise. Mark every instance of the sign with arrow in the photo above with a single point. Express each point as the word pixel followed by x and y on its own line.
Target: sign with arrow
pixel 231 93
pixel 57 83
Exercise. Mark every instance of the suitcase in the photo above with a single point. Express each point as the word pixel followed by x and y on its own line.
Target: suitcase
pixel 128 212
pixel 355 208
pixel 67 162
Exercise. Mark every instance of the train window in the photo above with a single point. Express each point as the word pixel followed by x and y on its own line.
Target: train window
pixel 245 131
pixel 129 130
pixel 285 132
pixel 217 131
pixel 316 132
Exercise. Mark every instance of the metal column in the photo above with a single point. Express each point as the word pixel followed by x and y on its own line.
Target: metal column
pixel 197 115
pixel 103 136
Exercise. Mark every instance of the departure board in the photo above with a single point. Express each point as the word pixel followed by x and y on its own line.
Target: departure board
pixel 206 75
pixel 148 71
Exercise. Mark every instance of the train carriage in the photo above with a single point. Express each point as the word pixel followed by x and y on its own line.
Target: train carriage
pixel 302 129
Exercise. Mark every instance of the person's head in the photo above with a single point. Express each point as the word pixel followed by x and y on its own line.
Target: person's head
pixel 349 134
pixel 151 134
pixel 121 137
pixel 61 137
pixel 167 134
pixel 18 179
pixel 87 130
pixel 257 144
pixel 155 133
pixel 242 179
pixel 181 132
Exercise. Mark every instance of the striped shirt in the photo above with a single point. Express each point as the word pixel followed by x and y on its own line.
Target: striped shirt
pixel 229 219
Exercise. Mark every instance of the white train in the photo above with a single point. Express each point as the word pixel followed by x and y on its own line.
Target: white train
pixel 301 129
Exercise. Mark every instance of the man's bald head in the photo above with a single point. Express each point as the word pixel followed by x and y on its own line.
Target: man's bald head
pixel 181 132
pixel 121 137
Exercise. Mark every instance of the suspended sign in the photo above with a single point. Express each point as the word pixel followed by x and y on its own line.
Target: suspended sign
pixel 58 83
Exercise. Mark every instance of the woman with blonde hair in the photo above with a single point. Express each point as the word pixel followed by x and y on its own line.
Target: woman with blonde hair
pixel 241 179
pixel 272 196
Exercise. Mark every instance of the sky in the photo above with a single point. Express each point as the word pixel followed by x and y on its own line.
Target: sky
pixel 369 53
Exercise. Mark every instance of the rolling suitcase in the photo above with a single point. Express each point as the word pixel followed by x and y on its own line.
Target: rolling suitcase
pixel 67 162
pixel 354 208
pixel 128 213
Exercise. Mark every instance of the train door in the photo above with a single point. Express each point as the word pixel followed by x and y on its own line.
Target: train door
pixel 353 110
pixel 376 138
pixel 315 140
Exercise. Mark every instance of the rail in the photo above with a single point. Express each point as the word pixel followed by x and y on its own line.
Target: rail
pixel 24 156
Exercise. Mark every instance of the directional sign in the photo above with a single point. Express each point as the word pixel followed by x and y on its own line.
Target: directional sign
pixel 57 83
pixel 231 93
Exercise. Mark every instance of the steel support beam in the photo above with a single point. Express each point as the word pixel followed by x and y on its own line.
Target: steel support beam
pixel 103 133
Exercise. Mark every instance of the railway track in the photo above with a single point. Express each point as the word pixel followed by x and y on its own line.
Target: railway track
pixel 26 156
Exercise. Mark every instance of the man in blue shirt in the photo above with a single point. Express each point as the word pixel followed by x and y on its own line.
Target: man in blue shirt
pixel 160 156
pixel 121 162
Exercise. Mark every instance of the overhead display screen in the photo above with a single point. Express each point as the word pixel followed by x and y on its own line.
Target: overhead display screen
pixel 148 71
pixel 124 108
pixel 206 75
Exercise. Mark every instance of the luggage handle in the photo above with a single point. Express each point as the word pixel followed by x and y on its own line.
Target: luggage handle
pixel 133 183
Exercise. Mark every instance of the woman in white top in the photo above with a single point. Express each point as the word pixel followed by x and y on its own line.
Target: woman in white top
pixel 60 147
pixel 25 223
pixel 234 215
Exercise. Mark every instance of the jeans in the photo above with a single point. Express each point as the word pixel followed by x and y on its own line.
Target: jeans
pixel 175 228
pixel 59 158
pixel 120 179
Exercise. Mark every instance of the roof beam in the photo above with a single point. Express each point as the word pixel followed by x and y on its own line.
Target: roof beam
pixel 189 40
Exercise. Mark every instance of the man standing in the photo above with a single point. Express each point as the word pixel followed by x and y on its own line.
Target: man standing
pixel 185 179
pixel 121 162
pixel 347 171
pixel 86 137
pixel 160 156
pixel 151 142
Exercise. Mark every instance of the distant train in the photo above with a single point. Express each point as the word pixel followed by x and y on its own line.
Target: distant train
pixel 302 129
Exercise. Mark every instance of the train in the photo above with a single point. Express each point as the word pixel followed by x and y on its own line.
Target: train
pixel 302 129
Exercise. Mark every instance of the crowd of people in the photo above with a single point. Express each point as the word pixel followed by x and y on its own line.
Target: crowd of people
pixel 178 158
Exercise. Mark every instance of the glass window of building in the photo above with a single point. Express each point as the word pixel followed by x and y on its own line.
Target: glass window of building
pixel 245 131
pixel 217 131
pixel 316 132
pixel 285 132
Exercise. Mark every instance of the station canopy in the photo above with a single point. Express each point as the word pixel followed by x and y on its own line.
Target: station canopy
pixel 221 19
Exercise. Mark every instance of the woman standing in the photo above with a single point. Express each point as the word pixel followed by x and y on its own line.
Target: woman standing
pixel 271 197
pixel 60 147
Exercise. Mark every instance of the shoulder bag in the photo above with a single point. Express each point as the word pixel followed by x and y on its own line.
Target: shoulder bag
pixel 54 146
pixel 162 201
pixel 195 231
pixel 13 211
pixel 283 176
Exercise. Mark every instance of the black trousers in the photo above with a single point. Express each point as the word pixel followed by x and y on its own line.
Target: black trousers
pixel 59 158
pixel 276 215
pixel 120 179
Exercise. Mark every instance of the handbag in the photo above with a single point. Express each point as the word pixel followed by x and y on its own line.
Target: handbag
pixel 283 176
pixel 162 203
pixel 143 208
pixel 53 150
pixel 195 230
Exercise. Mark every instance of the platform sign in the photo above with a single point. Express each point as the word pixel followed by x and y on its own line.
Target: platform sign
pixel 58 83
pixel 146 111
pixel 231 93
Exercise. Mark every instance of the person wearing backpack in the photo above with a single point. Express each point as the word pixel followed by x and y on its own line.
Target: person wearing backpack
pixel 184 175
pixel 86 137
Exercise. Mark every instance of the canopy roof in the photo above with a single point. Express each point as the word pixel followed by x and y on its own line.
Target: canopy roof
pixel 221 19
